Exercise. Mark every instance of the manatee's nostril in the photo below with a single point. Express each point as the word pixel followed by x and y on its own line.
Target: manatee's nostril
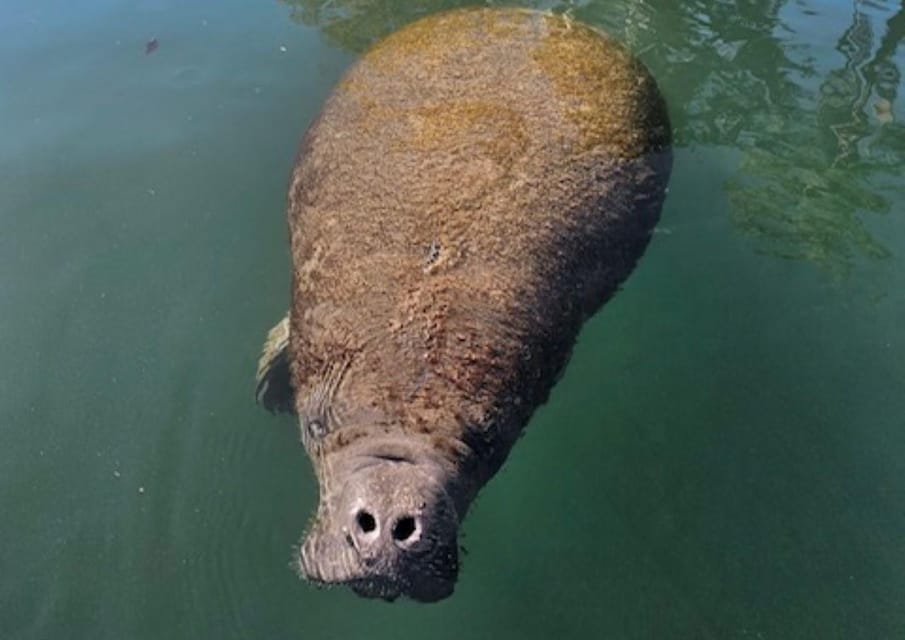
pixel 365 521
pixel 404 528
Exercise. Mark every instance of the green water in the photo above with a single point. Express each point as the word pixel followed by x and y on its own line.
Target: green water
pixel 724 458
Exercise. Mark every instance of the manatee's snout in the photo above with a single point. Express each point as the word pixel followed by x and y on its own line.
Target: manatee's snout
pixel 390 530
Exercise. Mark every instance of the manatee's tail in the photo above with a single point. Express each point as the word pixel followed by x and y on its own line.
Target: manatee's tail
pixel 273 389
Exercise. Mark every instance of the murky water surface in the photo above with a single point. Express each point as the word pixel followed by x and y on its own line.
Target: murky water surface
pixel 724 458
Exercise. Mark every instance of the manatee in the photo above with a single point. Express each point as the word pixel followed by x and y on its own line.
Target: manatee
pixel 475 187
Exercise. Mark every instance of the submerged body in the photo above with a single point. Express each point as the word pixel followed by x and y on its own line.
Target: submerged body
pixel 476 186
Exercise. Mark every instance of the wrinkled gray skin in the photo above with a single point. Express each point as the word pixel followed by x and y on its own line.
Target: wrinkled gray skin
pixel 476 186
pixel 395 523
pixel 388 517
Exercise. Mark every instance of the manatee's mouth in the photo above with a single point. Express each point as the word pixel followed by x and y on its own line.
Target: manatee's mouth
pixel 376 587
pixel 369 587
pixel 429 589
pixel 431 584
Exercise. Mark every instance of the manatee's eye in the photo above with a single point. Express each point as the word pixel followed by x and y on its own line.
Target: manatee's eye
pixel 316 428
pixel 433 253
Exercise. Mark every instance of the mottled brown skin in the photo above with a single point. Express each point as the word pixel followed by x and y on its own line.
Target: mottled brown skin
pixel 477 185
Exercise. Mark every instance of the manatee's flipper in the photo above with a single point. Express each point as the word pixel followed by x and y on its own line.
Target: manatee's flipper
pixel 273 390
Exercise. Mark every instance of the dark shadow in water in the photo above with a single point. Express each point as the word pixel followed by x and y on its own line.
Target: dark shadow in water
pixel 815 154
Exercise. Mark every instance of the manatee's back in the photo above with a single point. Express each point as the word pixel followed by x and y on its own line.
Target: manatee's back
pixel 476 185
